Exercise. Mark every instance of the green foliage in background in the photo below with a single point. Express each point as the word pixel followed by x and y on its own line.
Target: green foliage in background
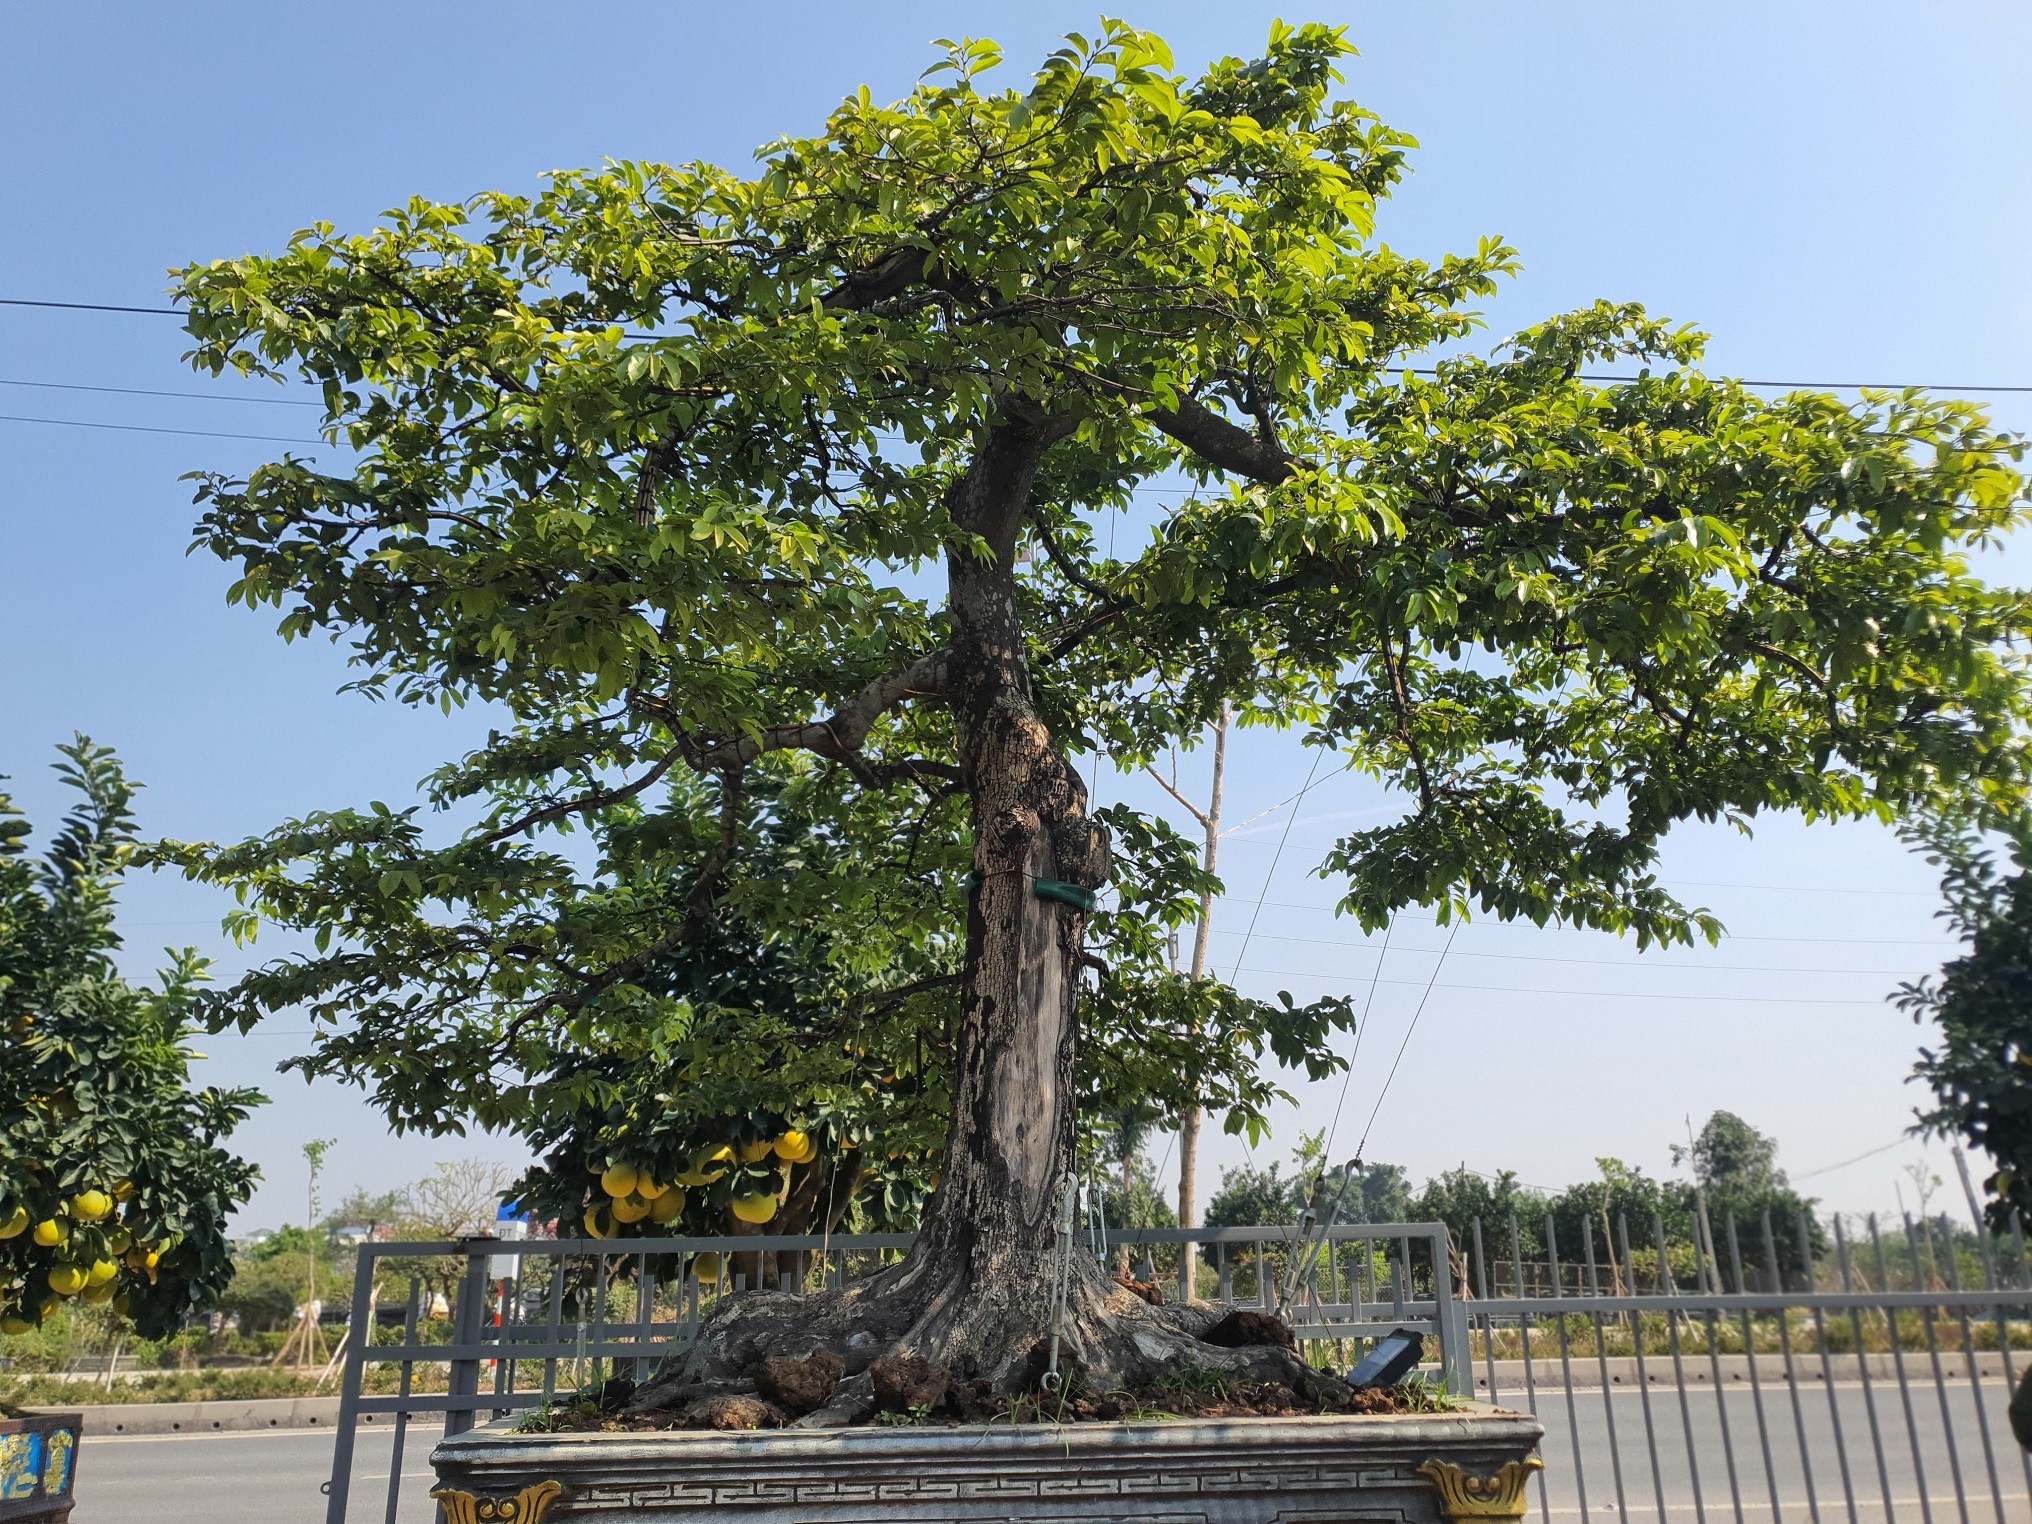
pixel 114 1185
pixel 1980 1069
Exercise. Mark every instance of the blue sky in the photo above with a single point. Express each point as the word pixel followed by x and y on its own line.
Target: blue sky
pixel 1835 192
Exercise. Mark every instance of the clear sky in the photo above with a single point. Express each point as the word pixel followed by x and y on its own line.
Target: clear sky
pixel 1837 192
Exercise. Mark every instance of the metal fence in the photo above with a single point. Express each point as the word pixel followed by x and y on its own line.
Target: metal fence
pixel 490 1327
pixel 1783 1371
pixel 1769 1372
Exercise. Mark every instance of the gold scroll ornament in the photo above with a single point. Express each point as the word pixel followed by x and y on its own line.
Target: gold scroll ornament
pixel 1481 1497
pixel 527 1506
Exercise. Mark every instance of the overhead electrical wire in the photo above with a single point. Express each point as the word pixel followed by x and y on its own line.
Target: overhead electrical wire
pixel 1417 370
pixel 1362 1147
pixel 155 391
pixel 1361 1027
pixel 146 428
pixel 1318 756
pixel 1738 968
pixel 1529 989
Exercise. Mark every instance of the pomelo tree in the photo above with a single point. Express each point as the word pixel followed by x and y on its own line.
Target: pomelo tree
pixel 115 1186
pixel 727 484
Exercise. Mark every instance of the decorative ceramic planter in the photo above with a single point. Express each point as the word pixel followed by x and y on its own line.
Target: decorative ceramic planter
pixel 38 1464
pixel 1424 1469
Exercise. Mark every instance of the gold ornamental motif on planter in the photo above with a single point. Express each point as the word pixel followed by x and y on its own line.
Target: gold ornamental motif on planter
pixel 1481 1497
pixel 527 1506
pixel 56 1468
pixel 17 1466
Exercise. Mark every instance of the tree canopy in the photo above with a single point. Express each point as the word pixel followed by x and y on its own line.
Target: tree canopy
pixel 1980 1070
pixel 114 1185
pixel 660 461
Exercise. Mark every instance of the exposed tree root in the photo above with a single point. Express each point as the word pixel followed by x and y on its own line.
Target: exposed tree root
pixel 993 1331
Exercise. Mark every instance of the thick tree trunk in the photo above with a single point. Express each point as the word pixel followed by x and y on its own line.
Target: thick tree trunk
pixel 975 1293
pixel 985 1248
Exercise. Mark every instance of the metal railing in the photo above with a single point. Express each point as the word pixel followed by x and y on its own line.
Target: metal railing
pixel 1801 1375
pixel 524 1322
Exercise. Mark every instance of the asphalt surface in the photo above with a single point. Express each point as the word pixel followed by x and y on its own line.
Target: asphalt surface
pixel 275 1478
pixel 1809 1459
pixel 261 1477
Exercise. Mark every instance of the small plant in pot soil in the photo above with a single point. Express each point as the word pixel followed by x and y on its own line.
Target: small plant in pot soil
pixel 771 512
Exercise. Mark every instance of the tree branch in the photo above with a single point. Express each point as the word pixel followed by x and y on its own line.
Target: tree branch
pixel 1401 700
pixel 842 733
pixel 1221 443
pixel 593 800
pixel 1163 783
pixel 880 1000
pixel 1064 563
pixel 888 276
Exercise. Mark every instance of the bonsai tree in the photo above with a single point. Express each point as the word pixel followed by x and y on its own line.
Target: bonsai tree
pixel 721 486
pixel 113 1185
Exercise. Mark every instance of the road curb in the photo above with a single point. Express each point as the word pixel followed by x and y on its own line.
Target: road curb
pixel 215 1417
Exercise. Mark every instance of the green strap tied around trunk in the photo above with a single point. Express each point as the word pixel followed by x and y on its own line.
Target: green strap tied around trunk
pixel 1075 895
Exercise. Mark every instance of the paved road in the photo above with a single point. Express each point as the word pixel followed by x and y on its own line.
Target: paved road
pixel 273 1478
pixel 1791 1462
pixel 253 1478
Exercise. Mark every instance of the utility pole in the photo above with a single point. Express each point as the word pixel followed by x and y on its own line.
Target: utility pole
pixel 1968 1189
pixel 1209 820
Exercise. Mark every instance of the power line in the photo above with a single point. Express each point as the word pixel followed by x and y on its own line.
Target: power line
pixel 1828 1169
pixel 1260 814
pixel 1318 756
pixel 1362 1147
pixel 1680 883
pixel 22 301
pixel 1368 1004
pixel 1529 989
pixel 1416 370
pixel 144 428
pixel 1738 968
pixel 149 391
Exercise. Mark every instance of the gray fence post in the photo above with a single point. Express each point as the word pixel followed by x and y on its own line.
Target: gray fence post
pixel 468 1321
pixel 359 1334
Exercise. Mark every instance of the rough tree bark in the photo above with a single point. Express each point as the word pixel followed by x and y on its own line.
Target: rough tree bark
pixel 974 1294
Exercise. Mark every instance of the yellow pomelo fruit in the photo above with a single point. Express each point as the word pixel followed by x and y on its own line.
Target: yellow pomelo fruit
pixel 46 1306
pixel 13 1323
pixel 122 1303
pixel 759 1207
pixel 667 1207
pixel 796 1147
pixel 599 1222
pixel 630 1209
pixel 618 1179
pixel 102 1271
pixel 90 1206
pixel 119 1241
pixel 755 1149
pixel 16 1223
pixel 123 1189
pixel 49 1233
pixel 712 1163
pixel 647 1188
pixel 66 1280
pixel 98 1296
pixel 706 1267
